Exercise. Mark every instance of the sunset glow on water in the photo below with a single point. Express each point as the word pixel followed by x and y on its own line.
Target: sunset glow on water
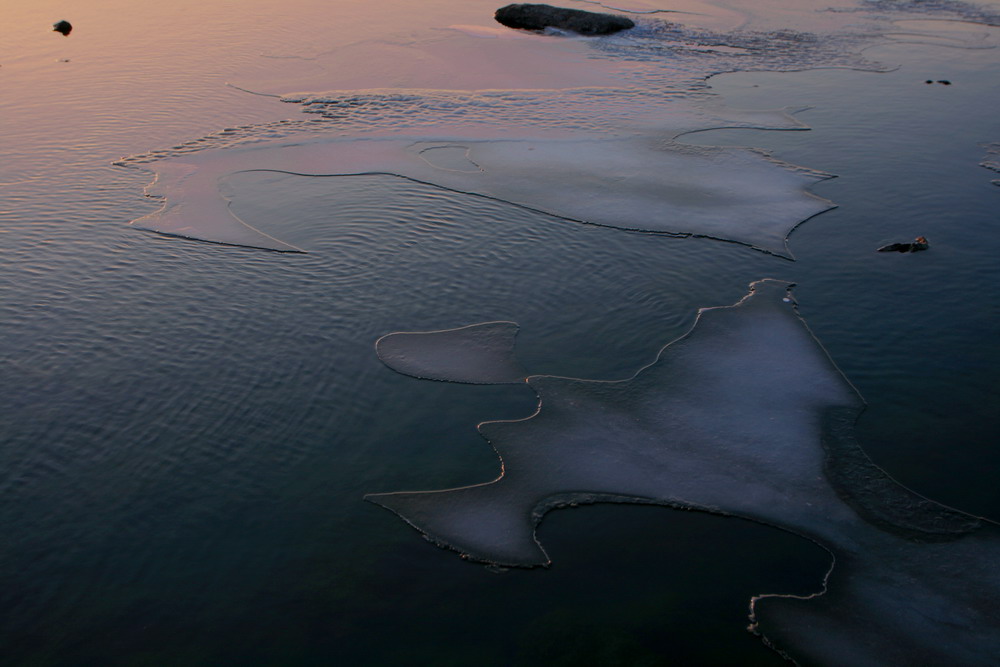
pixel 193 422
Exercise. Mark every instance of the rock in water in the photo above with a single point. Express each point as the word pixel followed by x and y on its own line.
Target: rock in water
pixel 64 27
pixel 919 243
pixel 539 17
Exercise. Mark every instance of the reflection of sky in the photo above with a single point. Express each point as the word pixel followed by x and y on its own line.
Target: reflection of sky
pixel 745 415
pixel 134 69
pixel 138 77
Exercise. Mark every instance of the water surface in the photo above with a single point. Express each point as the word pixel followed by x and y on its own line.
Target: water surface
pixel 190 428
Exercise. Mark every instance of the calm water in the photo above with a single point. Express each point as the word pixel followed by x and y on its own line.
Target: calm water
pixel 188 429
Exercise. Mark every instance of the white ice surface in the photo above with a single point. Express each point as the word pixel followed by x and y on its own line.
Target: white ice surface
pixel 634 183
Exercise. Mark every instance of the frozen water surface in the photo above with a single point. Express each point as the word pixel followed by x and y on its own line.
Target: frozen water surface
pixel 733 194
pixel 190 428
pixel 450 158
pixel 728 418
pixel 744 415
pixel 579 128
pixel 478 354
pixel 992 160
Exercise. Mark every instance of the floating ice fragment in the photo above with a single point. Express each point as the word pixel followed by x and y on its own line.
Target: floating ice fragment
pixel 724 419
pixel 476 354
pixel 201 212
pixel 744 415
pixel 738 195
pixel 728 193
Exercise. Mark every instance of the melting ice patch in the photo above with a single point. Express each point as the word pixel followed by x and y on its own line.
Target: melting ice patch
pixel 744 415
pixel 450 158
pixel 202 212
pixel 958 9
pixel 722 420
pixel 728 193
pixel 476 354
pixel 596 151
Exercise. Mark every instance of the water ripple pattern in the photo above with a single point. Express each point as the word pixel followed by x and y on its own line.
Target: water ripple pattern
pixel 992 160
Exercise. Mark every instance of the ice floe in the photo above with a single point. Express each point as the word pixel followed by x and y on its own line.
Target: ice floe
pixel 581 130
pixel 992 159
pixel 745 415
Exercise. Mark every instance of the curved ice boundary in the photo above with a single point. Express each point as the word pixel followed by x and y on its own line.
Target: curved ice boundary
pixel 956 9
pixel 474 354
pixel 992 159
pixel 633 183
pixel 589 148
pixel 201 212
pixel 744 415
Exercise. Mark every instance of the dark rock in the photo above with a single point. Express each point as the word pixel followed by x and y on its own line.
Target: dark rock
pixel 944 81
pixel 539 17
pixel 64 27
pixel 919 243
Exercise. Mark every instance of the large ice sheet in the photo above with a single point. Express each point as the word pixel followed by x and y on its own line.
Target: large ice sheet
pixel 727 419
pixel 202 212
pixel 730 193
pixel 744 415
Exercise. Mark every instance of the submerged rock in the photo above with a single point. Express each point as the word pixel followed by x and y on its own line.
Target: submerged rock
pixel 919 243
pixel 63 27
pixel 539 17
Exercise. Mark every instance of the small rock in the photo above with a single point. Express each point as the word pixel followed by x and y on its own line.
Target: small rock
pixel 64 27
pixel 539 17
pixel 919 243
pixel 944 81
